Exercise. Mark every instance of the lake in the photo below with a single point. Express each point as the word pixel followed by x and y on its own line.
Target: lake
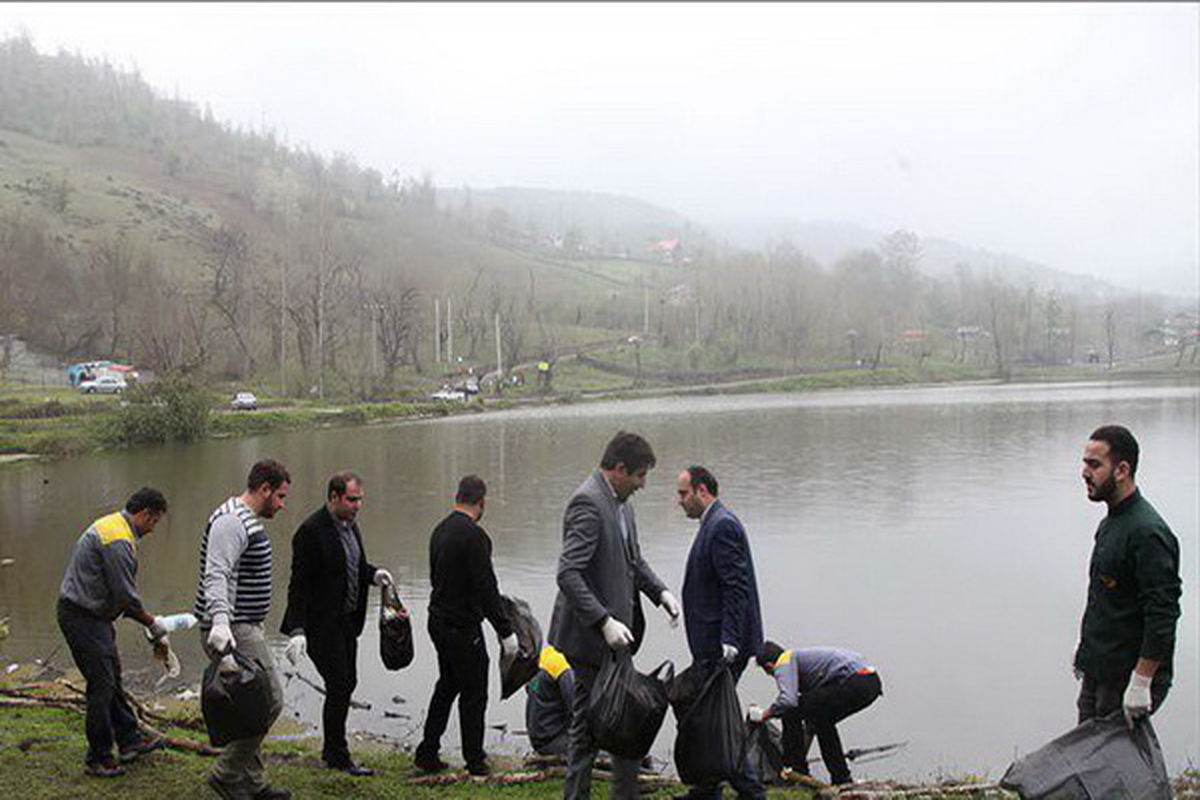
pixel 943 532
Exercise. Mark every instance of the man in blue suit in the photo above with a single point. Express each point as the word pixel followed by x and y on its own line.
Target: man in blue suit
pixel 720 599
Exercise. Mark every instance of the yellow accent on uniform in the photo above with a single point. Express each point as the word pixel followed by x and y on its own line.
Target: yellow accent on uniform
pixel 114 527
pixel 554 662
pixel 784 658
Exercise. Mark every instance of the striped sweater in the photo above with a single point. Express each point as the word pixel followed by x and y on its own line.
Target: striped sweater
pixel 235 567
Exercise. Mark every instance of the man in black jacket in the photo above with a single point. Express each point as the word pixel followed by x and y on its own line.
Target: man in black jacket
pixel 464 591
pixel 327 606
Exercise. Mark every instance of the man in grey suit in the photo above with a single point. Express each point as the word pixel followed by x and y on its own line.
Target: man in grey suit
pixel 600 572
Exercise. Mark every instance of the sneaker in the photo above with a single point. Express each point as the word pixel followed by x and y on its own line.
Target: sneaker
pixel 146 744
pixel 480 769
pixel 430 763
pixel 270 792
pixel 104 769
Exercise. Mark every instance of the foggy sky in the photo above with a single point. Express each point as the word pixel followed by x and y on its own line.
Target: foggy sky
pixel 1068 134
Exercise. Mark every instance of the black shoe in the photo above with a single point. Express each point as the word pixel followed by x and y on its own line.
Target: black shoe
pixel 147 743
pixel 350 768
pixel 430 763
pixel 104 769
pixel 269 792
pixel 480 769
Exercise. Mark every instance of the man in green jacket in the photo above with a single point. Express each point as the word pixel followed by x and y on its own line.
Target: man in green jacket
pixel 1127 637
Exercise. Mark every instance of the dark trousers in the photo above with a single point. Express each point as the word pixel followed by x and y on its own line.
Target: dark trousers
pixel 335 654
pixel 746 782
pixel 462 673
pixel 94 647
pixel 581 748
pixel 1099 699
pixel 819 711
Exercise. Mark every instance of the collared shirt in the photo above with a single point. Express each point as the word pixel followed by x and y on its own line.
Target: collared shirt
pixel 620 510
pixel 707 509
pixel 353 553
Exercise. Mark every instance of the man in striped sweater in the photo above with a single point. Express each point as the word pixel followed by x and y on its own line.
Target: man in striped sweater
pixel 232 600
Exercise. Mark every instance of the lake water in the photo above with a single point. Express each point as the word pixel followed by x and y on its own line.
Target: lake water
pixel 943 532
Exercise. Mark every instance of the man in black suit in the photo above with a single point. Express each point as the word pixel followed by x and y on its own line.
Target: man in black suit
pixel 327 606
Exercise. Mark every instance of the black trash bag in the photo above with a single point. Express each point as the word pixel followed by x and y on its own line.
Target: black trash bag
pixel 395 629
pixel 236 704
pixel 1101 758
pixel 764 748
pixel 710 734
pixel 519 669
pixel 626 708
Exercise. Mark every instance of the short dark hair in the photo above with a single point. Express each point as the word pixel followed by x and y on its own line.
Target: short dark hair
pixel 339 481
pixel 699 476
pixel 268 471
pixel 146 499
pixel 471 489
pixel 769 653
pixel 1121 445
pixel 629 449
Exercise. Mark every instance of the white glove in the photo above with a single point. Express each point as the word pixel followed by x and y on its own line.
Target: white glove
pixel 382 577
pixel 297 648
pixel 616 635
pixel 671 606
pixel 220 638
pixel 1136 702
pixel 227 664
pixel 509 645
pixel 156 631
pixel 755 714
pixel 729 653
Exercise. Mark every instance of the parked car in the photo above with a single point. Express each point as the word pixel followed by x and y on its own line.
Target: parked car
pixel 446 393
pixel 105 384
pixel 244 401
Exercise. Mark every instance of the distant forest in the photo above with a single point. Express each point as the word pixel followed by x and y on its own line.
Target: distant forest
pixel 136 226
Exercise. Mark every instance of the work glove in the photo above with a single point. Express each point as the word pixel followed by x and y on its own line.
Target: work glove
pixel 729 653
pixel 671 606
pixel 156 631
pixel 382 577
pixel 220 638
pixel 616 635
pixel 509 645
pixel 1136 702
pixel 297 648
pixel 755 714
pixel 227 664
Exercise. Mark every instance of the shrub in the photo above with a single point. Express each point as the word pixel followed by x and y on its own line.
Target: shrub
pixel 172 408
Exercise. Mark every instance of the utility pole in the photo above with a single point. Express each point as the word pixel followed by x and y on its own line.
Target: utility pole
pixel 449 334
pixel 283 327
pixel 499 356
pixel 437 330
pixel 645 307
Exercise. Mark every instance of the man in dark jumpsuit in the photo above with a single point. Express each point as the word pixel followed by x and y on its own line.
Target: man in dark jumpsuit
pixel 1127 637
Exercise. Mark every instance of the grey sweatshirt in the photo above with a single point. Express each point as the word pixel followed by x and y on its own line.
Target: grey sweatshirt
pixel 100 576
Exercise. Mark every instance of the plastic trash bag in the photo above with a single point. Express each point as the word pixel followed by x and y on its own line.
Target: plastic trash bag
pixel 395 629
pixel 626 707
pixel 1101 758
pixel 517 670
pixel 764 748
pixel 710 731
pixel 235 704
